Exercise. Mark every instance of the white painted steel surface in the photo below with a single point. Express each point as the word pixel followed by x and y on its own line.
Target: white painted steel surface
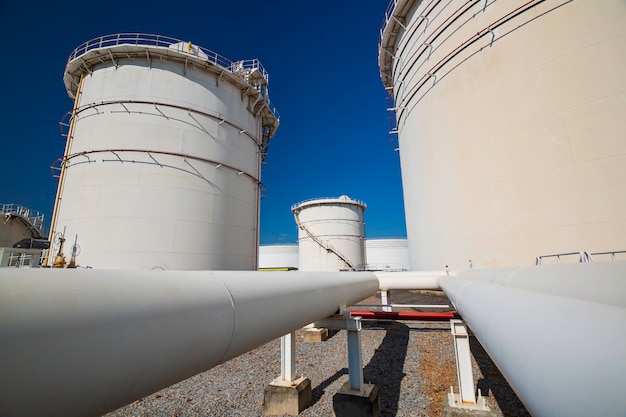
pixel 388 254
pixel 162 168
pixel 510 119
pixel 411 280
pixel 84 342
pixel 561 353
pixel 381 255
pixel 278 256
pixel 599 282
pixel 384 300
pixel 288 357
pixel 331 234
pixel 355 358
pixel 353 326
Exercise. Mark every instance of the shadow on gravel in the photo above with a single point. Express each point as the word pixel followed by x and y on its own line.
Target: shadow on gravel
pixel 332 333
pixel 385 369
pixel 318 391
pixel 493 381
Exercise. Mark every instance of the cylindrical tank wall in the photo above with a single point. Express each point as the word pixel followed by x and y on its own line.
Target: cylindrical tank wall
pixel 381 254
pixel 163 168
pixel 278 256
pixel 511 118
pixel 331 234
pixel 387 255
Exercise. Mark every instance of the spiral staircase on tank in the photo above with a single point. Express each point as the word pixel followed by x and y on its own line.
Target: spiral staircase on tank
pixel 325 245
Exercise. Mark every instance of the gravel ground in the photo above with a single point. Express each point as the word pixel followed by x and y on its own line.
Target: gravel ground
pixel 411 361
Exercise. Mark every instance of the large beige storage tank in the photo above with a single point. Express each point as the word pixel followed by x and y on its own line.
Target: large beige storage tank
pixel 163 156
pixel 331 234
pixel 511 120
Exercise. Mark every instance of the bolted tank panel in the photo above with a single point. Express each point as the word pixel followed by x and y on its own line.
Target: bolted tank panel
pixel 510 119
pixel 331 234
pixel 162 165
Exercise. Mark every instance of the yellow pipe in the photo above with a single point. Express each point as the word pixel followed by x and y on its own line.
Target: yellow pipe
pixel 70 136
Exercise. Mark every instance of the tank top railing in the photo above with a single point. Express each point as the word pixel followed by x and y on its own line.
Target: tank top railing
pixel 583 256
pixel 166 42
pixel 610 253
pixel 159 41
pixel 325 200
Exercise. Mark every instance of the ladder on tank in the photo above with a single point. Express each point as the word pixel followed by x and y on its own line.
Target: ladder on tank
pixel 326 246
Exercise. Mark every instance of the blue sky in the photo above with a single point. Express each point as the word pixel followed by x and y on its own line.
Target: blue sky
pixel 322 60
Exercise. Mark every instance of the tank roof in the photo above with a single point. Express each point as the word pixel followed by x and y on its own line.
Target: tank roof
pixel 344 199
pixel 248 75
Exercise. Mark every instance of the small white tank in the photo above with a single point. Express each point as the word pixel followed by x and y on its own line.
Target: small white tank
pixel 387 255
pixel 331 234
pixel 163 157
pixel 278 256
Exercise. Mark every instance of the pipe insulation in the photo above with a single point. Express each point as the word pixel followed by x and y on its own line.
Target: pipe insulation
pixel 409 280
pixel 602 282
pixel 561 351
pixel 84 342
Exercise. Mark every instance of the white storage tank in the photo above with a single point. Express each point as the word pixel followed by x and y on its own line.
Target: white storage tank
pixel 387 254
pixel 331 234
pixel 511 121
pixel 163 158
pixel 278 256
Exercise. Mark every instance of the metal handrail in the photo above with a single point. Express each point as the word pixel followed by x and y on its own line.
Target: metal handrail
pixel 323 199
pixel 387 267
pixel 19 259
pixel 584 256
pixel 160 41
pixel 166 42
pixel 36 217
pixel 388 14
pixel 612 253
